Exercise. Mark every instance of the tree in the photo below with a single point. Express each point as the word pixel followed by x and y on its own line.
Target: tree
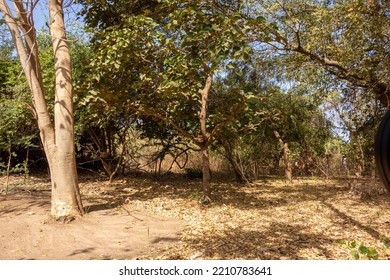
pixel 105 14
pixel 358 120
pixel 345 44
pixel 57 139
pixel 348 39
pixel 101 134
pixel 277 126
pixel 165 70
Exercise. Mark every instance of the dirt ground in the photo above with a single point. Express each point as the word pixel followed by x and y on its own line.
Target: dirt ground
pixel 28 232
pixel 145 218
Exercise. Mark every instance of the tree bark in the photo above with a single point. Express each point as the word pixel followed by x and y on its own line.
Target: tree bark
pixel 58 141
pixel 206 178
pixel 287 163
pixel 204 144
pixel 65 190
pixel 360 157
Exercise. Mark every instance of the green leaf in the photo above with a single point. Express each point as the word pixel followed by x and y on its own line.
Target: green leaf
pixel 372 254
pixel 363 249
pixel 274 25
pixel 355 254
pixel 352 244
pixel 261 19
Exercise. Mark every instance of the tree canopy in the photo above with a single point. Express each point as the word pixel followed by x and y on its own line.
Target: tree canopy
pixel 262 84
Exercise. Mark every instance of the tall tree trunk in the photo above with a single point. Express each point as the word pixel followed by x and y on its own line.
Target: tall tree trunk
pixel 204 143
pixel 58 141
pixel 65 190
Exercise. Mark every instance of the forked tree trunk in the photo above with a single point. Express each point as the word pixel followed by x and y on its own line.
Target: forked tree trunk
pixel 58 141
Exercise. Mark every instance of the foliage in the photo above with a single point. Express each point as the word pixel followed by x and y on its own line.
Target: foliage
pixel 250 144
pixel 165 70
pixel 16 132
pixel 104 14
pixel 14 87
pixel 352 45
pixel 357 252
pixel 336 50
pixel 15 127
pixel 18 168
pixel 5 57
pixel 166 65
pixel 285 66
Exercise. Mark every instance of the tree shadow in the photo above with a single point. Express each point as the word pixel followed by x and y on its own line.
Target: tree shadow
pixel 20 204
pixel 278 241
pixel 81 251
pixel 240 196
pixel 349 220
pixel 164 239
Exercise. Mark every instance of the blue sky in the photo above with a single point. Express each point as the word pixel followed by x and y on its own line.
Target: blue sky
pixel 41 14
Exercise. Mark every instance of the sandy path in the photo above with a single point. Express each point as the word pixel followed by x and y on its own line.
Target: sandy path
pixel 27 232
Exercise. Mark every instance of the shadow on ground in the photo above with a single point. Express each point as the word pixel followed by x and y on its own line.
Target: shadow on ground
pixel 282 203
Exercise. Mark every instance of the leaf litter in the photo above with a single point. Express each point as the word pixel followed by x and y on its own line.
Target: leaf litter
pixel 309 218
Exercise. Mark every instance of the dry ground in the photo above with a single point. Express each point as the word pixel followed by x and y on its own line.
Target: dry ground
pixel 162 219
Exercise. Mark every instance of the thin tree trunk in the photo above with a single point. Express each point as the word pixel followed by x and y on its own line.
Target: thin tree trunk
pixel 119 163
pixel 287 163
pixel 206 173
pixel 8 169
pixel 25 166
pixel 361 161
pixel 204 144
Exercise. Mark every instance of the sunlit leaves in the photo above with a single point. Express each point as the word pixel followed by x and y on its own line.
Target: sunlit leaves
pixel 349 39
pixel 159 67
pixel 15 125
